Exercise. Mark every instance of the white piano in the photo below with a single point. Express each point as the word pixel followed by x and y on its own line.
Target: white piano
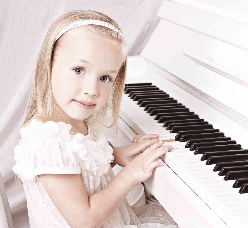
pixel 198 54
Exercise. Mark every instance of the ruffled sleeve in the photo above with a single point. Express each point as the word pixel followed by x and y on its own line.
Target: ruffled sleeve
pixel 47 148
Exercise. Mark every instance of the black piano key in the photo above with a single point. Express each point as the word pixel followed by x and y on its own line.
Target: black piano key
pixel 183 134
pixel 140 88
pixel 195 145
pixel 162 119
pixel 167 110
pixel 143 103
pixel 138 84
pixel 191 141
pixel 138 96
pixel 203 149
pixel 146 91
pixel 226 158
pixel 150 107
pixel 243 189
pixel 206 155
pixel 170 126
pixel 238 183
pixel 234 175
pixel 165 107
pixel 163 114
pixel 224 170
pixel 129 89
pixel 148 96
pixel 134 85
pixel 185 138
pixel 167 123
pixel 176 129
pixel 220 165
pixel 157 117
pixel 133 93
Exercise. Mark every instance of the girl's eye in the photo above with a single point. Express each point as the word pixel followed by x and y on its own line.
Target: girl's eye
pixel 78 70
pixel 105 79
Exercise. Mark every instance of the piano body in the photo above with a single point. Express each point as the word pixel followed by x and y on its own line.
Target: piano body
pixel 198 54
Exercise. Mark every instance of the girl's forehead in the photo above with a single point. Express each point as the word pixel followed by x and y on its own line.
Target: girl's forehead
pixel 87 38
pixel 91 48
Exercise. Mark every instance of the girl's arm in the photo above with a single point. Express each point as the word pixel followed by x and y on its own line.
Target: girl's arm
pixel 69 195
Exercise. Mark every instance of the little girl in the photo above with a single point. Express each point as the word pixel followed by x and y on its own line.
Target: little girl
pixel 63 157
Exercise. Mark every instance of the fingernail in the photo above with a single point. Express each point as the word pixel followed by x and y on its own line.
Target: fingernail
pixel 161 142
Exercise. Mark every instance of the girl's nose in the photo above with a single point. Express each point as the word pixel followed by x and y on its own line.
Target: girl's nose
pixel 90 88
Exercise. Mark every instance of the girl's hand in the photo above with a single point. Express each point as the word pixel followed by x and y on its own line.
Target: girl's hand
pixel 140 138
pixel 142 167
pixel 123 155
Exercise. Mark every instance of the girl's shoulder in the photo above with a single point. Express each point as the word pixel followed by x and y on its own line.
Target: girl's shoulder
pixel 50 148
pixel 36 129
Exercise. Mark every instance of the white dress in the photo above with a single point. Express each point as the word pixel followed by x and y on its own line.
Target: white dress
pixel 49 148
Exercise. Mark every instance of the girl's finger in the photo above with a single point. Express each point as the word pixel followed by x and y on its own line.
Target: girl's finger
pixel 154 155
pixel 138 148
pixel 147 136
pixel 169 147
pixel 153 165
pixel 137 138
pixel 152 146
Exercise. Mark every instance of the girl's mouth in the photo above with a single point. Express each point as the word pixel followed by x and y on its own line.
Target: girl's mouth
pixel 83 104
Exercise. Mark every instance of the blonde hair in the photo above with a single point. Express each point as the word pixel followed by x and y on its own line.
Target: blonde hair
pixel 41 101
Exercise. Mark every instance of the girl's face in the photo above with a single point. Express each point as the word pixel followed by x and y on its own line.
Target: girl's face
pixel 84 69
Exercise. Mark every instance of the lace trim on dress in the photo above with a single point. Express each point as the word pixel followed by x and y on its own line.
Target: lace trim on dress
pixel 50 146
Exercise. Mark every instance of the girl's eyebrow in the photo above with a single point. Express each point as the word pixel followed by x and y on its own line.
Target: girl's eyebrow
pixel 111 71
pixel 81 60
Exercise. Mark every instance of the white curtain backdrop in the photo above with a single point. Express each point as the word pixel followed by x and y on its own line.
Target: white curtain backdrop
pixel 23 25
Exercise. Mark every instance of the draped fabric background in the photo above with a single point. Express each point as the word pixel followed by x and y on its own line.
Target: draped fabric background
pixel 23 26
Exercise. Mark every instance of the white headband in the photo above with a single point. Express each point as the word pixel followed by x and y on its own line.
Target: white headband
pixel 87 22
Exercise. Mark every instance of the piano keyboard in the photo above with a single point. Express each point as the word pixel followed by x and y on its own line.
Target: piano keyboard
pixel 213 165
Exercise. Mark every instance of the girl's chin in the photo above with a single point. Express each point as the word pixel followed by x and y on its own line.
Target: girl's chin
pixel 79 116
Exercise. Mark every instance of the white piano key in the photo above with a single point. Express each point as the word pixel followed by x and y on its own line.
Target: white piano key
pixel 145 121
pixel 236 210
pixel 185 176
pixel 235 204
pixel 197 165
pixel 245 222
pixel 242 216
pixel 208 175
pixel 204 193
pixel 213 183
pixel 217 191
pixel 175 145
pixel 227 195
pixel 167 138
